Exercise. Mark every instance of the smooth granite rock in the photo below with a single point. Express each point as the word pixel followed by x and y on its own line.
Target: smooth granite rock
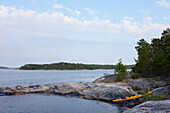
pixel 135 84
pixel 151 107
pixel 85 90
pixel 162 91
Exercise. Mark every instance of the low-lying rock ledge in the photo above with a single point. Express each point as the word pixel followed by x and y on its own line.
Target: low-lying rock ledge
pixel 135 84
pixel 151 107
pixel 92 91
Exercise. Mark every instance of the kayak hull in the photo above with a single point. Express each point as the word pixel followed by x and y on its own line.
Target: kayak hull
pixel 132 97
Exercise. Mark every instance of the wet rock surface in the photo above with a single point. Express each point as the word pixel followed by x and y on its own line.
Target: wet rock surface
pixel 151 107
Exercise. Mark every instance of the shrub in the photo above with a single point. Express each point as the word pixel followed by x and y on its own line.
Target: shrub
pixel 156 79
pixel 135 76
pixel 120 71
pixel 126 80
pixel 153 98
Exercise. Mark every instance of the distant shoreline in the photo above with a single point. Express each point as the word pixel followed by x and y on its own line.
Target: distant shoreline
pixel 68 66
pixel 65 69
pixel 2 67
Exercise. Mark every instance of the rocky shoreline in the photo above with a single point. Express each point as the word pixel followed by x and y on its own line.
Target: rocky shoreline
pixel 97 90
pixel 92 91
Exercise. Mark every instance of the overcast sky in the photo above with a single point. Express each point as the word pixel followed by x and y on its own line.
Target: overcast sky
pixel 86 31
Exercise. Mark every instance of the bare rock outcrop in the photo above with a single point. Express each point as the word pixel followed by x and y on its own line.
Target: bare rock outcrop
pixel 151 107
pixel 106 78
pixel 162 91
pixel 135 84
pixel 85 90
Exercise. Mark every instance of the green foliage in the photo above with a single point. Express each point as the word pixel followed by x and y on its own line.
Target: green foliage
pixel 153 98
pixel 126 80
pixel 120 71
pixel 65 65
pixel 144 53
pixel 135 76
pixel 108 81
pixel 156 79
pixel 154 59
pixel 144 90
pixel 120 68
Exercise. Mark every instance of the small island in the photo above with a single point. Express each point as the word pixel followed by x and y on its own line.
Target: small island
pixel 68 66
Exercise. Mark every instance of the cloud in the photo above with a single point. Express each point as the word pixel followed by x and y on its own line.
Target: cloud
pixel 90 11
pixel 128 18
pixel 147 19
pixel 33 1
pixel 60 6
pixel 28 23
pixel 163 3
pixel 77 12
pixel 32 36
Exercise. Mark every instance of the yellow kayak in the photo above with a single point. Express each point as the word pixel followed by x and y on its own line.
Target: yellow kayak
pixel 132 97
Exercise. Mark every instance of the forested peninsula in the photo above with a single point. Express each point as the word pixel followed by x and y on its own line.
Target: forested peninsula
pixel 68 66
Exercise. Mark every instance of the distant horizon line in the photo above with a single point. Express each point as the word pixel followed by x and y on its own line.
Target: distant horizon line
pixel 62 62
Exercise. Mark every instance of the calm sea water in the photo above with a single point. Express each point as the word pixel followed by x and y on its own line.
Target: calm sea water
pixel 39 77
pixel 40 103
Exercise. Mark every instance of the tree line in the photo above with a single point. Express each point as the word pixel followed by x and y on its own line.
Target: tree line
pixel 154 59
pixel 69 66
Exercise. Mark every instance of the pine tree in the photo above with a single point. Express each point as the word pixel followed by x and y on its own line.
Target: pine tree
pixel 144 58
pixel 154 59
pixel 120 71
